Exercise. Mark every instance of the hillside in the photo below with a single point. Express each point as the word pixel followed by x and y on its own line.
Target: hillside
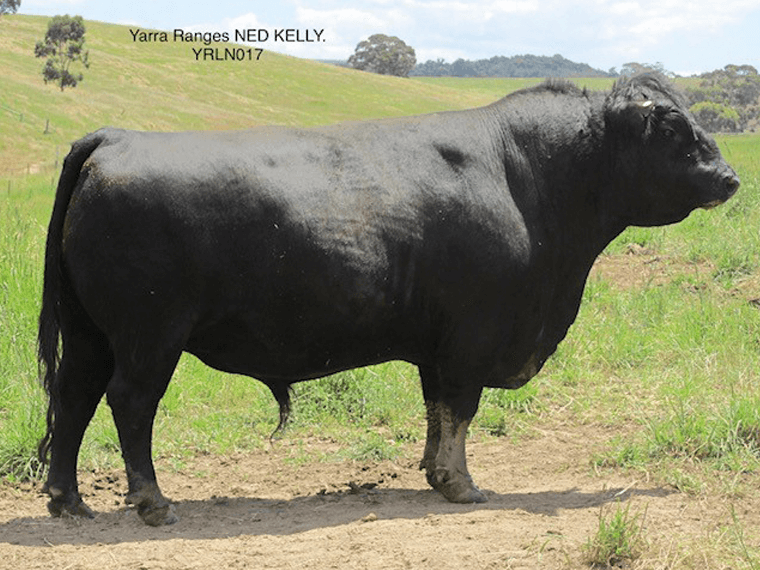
pixel 160 86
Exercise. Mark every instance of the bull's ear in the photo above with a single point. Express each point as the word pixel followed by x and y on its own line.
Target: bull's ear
pixel 632 116
pixel 646 107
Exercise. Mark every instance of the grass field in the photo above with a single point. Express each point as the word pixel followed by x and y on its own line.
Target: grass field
pixel 671 364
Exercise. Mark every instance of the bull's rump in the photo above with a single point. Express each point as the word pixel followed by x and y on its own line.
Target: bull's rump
pixel 282 254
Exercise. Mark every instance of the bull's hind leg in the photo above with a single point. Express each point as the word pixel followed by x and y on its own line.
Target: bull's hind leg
pixel 137 386
pixel 430 392
pixel 86 366
pixel 449 413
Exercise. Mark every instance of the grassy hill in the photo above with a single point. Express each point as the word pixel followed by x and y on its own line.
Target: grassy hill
pixel 161 86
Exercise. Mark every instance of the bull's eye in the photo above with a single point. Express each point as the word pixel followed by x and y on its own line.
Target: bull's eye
pixel 668 133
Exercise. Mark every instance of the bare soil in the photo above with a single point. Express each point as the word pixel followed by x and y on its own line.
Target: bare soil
pixel 640 267
pixel 263 510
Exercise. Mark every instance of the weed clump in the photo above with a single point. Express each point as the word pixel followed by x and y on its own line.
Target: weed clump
pixel 618 539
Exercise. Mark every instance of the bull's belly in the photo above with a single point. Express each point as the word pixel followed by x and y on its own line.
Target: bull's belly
pixel 235 348
pixel 528 370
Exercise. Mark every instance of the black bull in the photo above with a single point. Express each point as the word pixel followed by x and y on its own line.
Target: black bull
pixel 459 242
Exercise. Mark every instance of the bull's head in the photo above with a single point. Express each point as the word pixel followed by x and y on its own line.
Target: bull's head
pixel 670 164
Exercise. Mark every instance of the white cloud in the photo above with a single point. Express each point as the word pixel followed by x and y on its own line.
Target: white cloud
pixel 242 22
pixel 630 29
pixel 651 20
pixel 600 32
pixel 346 27
pixel 632 9
pixel 513 6
pixel 477 8
pixel 49 4
pixel 341 18
pixel 342 28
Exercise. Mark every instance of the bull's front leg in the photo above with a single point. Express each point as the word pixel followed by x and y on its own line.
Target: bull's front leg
pixel 447 471
pixel 444 458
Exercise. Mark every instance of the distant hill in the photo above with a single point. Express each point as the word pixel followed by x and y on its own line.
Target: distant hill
pixel 514 66
pixel 161 86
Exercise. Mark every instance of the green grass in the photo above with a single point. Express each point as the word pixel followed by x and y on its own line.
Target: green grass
pixel 685 354
pixel 618 539
pixel 751 556
pixel 21 402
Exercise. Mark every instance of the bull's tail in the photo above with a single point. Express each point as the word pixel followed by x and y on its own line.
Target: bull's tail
pixel 55 282
pixel 281 393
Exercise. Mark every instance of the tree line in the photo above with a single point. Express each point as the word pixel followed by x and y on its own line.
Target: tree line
pixel 513 66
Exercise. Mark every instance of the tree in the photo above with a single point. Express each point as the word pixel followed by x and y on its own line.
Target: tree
pixel 9 6
pixel 734 96
pixel 387 55
pixel 716 117
pixel 633 67
pixel 63 45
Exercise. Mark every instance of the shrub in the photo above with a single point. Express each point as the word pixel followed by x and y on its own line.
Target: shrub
pixel 716 117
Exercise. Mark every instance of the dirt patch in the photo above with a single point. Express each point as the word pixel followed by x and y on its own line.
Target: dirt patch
pixel 640 267
pixel 260 510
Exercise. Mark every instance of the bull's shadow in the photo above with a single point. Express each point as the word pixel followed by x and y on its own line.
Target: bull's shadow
pixel 226 517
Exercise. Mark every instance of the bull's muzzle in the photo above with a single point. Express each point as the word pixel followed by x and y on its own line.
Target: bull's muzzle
pixel 728 183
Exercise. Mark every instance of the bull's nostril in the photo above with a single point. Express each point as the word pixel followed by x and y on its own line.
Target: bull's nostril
pixel 732 183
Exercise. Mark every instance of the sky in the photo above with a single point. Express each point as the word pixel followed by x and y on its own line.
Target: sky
pixel 686 36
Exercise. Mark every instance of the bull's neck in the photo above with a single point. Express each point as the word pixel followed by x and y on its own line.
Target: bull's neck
pixel 555 160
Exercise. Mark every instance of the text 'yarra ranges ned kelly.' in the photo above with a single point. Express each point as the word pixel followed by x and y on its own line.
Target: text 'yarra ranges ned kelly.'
pixel 236 53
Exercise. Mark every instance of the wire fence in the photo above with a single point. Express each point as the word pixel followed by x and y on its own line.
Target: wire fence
pixel 43 167
pixel 29 167
pixel 13 112
pixel 14 183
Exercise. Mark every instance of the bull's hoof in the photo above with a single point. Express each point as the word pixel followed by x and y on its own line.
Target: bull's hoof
pixel 471 495
pixel 158 516
pixel 68 506
pixel 152 506
pixel 457 488
pixel 430 476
